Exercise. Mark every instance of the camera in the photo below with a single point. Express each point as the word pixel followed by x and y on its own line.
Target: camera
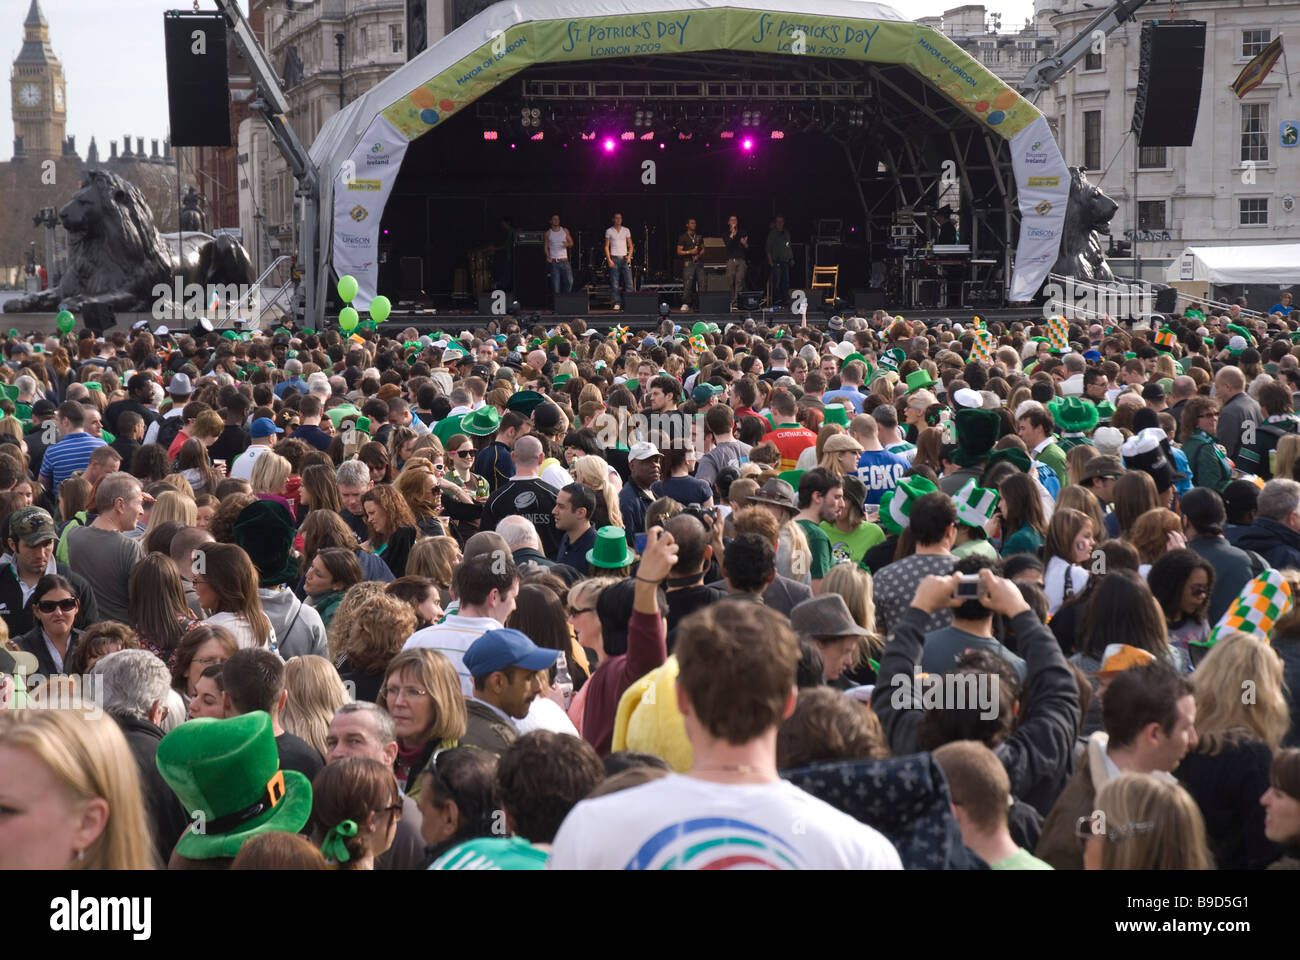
pixel 968 588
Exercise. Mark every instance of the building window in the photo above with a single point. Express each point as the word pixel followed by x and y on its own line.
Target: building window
pixel 1253 42
pixel 1254 132
pixel 395 37
pixel 1092 61
pixel 1092 140
pixel 989 52
pixel 1254 211
pixel 1028 56
pixel 1151 215
pixel 363 45
pixel 1152 158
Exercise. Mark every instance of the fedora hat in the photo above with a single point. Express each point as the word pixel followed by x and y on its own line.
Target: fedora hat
pixel 611 550
pixel 227 776
pixel 776 491
pixel 483 422
pixel 826 616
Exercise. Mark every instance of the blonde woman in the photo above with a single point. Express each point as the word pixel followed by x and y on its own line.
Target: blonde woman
pixel 594 472
pixel 812 456
pixel 315 692
pixel 70 796
pixel 270 475
pixel 1288 451
pixel 1075 497
pixel 840 455
pixel 345 613
pixel 854 584
pixel 1241 718
pixel 421 691
pixel 1150 823
pixel 172 505
pixel 378 629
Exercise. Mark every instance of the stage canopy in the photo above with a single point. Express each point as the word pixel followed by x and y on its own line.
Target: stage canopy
pixel 1270 263
pixel 361 148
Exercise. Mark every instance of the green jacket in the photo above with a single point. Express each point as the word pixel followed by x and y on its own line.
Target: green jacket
pixel 1208 463
pixel 1054 457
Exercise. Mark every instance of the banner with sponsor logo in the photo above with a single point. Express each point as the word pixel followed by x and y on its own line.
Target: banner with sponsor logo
pixel 361 192
pixel 561 32
pixel 1043 190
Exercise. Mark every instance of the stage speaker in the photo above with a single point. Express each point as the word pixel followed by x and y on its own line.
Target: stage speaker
pixel 715 301
pixel 715 281
pixel 417 28
pixel 572 304
pixel 485 304
pixel 1169 83
pixel 1166 299
pixel 867 299
pixel 198 82
pixel 642 302
pixel 752 299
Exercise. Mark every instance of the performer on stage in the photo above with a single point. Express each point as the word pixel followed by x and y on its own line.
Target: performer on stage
pixel 737 241
pixel 947 229
pixel 780 256
pixel 690 247
pixel 558 243
pixel 618 254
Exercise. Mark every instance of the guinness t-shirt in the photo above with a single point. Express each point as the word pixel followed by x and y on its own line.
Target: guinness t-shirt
pixel 530 497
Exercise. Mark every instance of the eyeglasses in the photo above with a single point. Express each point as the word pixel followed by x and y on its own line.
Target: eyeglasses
pixel 466 454
pixel 1200 591
pixel 411 693
pixel 579 611
pixel 208 661
pixel 49 606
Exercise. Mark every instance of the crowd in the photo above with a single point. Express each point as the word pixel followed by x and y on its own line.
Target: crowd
pixel 868 593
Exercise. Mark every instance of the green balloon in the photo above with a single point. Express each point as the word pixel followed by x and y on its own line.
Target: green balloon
pixel 380 308
pixel 348 318
pixel 65 321
pixel 347 287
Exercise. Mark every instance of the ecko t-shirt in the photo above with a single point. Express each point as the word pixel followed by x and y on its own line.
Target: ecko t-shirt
pixel 681 823
pixel 880 471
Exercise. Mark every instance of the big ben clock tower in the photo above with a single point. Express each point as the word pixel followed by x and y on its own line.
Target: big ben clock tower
pixel 40 110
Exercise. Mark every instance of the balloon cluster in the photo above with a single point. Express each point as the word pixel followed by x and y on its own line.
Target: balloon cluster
pixel 380 306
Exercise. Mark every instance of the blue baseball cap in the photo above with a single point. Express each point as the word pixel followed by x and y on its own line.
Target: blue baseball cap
pixel 264 427
pixel 1092 355
pixel 500 649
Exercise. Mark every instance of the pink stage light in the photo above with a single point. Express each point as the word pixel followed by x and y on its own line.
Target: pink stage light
pixel 589 136
pixel 627 135
pixel 539 135
pixel 778 135
pixel 685 136
pixel 747 144
pixel 609 144
pixel 648 136
pixel 661 146
pixel 490 134
pixel 727 135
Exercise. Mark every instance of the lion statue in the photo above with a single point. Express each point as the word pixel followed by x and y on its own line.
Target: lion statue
pixel 116 256
pixel 1087 217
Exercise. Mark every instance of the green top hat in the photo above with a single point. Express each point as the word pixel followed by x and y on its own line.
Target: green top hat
pixel 792 477
pixel 611 549
pixel 1073 414
pixel 977 431
pixel 483 422
pixel 975 505
pixel 525 401
pixel 896 504
pixel 836 413
pixel 561 379
pixel 227 776
pixel 919 380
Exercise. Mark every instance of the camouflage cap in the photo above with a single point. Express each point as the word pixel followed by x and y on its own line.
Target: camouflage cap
pixel 32 525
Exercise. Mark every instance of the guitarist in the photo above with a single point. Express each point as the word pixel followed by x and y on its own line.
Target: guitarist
pixel 690 247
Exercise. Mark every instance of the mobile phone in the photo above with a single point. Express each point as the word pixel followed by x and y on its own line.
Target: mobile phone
pixel 640 542
pixel 968 588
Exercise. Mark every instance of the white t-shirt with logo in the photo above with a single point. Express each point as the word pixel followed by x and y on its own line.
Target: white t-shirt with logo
pixel 618 238
pixel 682 823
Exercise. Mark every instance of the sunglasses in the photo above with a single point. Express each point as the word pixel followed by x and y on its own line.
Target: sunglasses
pixel 579 611
pixel 49 606
pixel 465 454
pixel 439 467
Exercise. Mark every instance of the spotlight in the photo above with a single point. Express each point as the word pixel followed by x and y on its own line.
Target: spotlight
pixel 627 135
pixel 727 135
pixel 777 135
pixel 682 135
pixel 490 135
pixel 747 144
pixel 539 135
pixel 648 136
pixel 589 136
pixel 609 144
pixel 661 146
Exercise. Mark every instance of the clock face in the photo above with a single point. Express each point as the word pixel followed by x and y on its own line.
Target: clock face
pixel 30 95
pixel 58 96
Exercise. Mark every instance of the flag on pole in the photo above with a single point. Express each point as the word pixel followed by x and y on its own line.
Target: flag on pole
pixel 1253 73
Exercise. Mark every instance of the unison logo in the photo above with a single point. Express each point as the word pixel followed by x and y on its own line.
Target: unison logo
pixel 77 914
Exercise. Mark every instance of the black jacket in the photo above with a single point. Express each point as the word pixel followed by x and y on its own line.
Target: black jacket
pixel 19 618
pixel 1039 754
pixel 1275 542
pixel 33 641
pixel 1227 788
pixel 167 818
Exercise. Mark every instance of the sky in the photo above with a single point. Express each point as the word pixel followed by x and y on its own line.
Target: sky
pixel 115 70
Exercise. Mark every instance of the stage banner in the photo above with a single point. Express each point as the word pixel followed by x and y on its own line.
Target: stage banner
pixel 1043 190
pixel 361 192
pixel 455 88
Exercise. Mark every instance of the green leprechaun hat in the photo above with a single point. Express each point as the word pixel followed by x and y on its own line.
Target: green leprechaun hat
pixel 835 413
pixel 611 550
pixel 1073 414
pixel 919 380
pixel 525 401
pixel 975 504
pixel 977 432
pixel 227 776
pixel 483 422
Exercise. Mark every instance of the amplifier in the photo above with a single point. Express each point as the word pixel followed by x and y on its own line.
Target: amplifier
pixel 572 304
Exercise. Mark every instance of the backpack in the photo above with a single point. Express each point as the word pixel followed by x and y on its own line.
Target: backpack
pixel 168 428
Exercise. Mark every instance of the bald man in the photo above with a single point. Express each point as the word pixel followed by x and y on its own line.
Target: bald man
pixel 1235 409
pixel 526 495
